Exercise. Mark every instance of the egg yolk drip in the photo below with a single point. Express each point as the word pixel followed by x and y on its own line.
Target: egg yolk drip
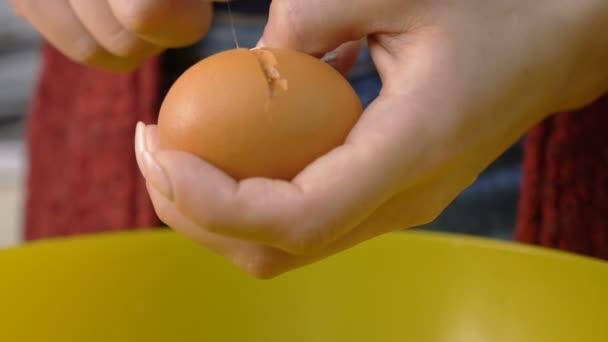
pixel 268 63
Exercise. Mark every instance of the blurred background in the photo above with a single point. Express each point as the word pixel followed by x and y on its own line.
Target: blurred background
pixel 487 208
pixel 18 71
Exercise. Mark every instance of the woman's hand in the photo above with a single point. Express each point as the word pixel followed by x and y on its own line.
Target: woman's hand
pixel 116 35
pixel 462 81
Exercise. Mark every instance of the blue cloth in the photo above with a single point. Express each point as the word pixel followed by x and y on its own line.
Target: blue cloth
pixel 487 208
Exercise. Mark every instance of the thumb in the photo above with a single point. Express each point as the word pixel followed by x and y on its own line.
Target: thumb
pixel 344 57
pixel 314 26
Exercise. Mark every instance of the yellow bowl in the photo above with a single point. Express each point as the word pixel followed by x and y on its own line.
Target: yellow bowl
pixel 412 286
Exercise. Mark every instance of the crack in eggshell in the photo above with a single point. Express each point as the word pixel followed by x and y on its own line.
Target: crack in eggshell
pixel 268 62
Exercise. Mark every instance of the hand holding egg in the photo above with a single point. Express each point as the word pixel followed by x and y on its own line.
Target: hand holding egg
pixel 277 185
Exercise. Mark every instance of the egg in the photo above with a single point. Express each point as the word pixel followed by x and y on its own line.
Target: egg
pixel 258 112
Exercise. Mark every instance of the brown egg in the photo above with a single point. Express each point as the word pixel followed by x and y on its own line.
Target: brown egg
pixel 258 113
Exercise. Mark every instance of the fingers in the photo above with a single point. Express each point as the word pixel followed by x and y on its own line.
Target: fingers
pixel 258 210
pixel 315 26
pixel 344 57
pixel 300 218
pixel 58 24
pixel 324 202
pixel 168 23
pixel 211 199
pixel 97 17
pixel 259 261
pixel 417 205
pixel 208 196
pixel 399 142
pixel 116 35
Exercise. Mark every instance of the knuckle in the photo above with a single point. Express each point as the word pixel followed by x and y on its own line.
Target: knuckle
pixel 125 44
pixel 304 239
pixel 211 220
pixel 137 15
pixel 210 216
pixel 85 50
pixel 297 232
pixel 260 264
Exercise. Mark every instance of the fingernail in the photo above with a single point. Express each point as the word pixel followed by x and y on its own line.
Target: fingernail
pixel 155 174
pixel 140 137
pixel 152 143
pixel 330 57
pixel 140 145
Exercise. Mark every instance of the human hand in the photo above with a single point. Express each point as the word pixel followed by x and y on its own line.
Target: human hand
pixel 116 35
pixel 462 81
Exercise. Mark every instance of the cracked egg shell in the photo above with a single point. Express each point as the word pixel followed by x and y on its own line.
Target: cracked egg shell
pixel 258 113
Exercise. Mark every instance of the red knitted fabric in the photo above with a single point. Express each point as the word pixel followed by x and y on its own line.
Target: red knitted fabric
pixel 83 176
pixel 564 199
